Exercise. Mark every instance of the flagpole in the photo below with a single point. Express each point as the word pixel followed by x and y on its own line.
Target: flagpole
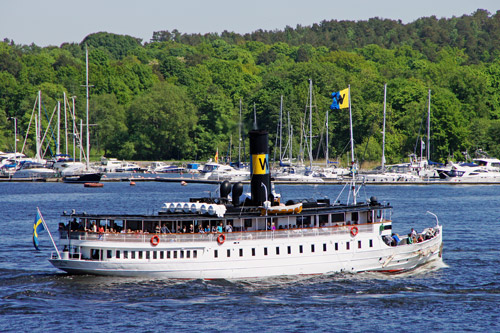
pixel 353 167
pixel 50 235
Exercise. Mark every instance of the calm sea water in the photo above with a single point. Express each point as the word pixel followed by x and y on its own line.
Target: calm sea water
pixel 460 294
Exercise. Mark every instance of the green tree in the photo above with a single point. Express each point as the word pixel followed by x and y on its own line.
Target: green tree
pixel 161 124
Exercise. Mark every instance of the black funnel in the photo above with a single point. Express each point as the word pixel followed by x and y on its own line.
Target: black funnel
pixel 259 167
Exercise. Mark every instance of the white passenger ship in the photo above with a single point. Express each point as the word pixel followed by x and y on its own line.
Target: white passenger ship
pixel 258 237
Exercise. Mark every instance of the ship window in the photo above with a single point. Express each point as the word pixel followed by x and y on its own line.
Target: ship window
pixel 140 254
pixel 323 219
pixel 109 253
pixel 147 255
pixel 216 253
pixel 301 249
pixel 195 254
pixel 336 246
pixel 132 254
pixel 359 244
pixel 312 247
pixel 277 250
pixel 168 254
pixel 371 242
pixel 228 253
pixel 303 221
pixel 347 245
pixel 162 254
pixel 125 254
pixel 188 254
pixel 265 251
pixel 175 254
pixel 155 255
pixel 117 254
pixel 241 252
pixel 253 252
pixel 355 216
pixel 248 223
pixel 338 217
pixel 289 250
pixel 324 247
pixel 181 254
pixel 379 213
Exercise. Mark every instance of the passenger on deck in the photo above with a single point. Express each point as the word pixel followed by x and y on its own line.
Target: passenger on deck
pixel 164 229
pixel 219 227
pixel 229 227
pixel 395 240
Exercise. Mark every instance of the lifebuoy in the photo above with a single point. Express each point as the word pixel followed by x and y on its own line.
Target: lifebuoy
pixel 221 238
pixel 354 231
pixel 155 240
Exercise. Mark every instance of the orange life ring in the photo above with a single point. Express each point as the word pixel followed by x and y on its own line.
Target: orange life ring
pixel 354 231
pixel 155 240
pixel 221 238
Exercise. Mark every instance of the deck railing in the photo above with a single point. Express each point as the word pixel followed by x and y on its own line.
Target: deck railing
pixel 229 236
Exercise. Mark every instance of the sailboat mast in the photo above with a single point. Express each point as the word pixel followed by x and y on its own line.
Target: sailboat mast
pixel 310 124
pixel 383 133
pixel 58 149
pixel 81 143
pixel 38 126
pixel 74 129
pixel 281 122
pixel 429 128
pixel 87 89
pixel 239 140
pixel 65 123
pixel 326 150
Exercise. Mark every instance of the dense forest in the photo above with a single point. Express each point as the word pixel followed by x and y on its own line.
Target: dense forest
pixel 178 95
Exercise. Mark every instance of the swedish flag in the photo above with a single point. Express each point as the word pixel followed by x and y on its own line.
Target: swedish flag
pixel 37 227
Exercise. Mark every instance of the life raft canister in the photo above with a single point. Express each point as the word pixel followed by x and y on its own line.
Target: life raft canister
pixel 155 240
pixel 354 231
pixel 221 238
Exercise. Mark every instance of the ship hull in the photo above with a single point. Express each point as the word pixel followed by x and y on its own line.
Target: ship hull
pixel 249 258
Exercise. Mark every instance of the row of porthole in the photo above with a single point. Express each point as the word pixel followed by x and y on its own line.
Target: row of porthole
pixel 289 249
pixel 187 254
pixel 155 255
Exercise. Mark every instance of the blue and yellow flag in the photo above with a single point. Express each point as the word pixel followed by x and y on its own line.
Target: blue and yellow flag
pixel 37 227
pixel 340 99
